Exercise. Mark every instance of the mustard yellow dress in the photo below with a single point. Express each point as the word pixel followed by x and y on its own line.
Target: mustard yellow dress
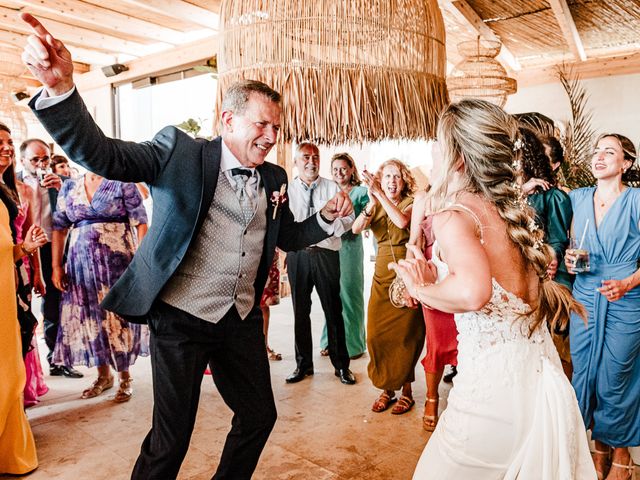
pixel 395 336
pixel 17 448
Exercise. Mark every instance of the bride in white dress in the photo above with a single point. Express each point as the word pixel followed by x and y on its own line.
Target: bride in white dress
pixel 512 413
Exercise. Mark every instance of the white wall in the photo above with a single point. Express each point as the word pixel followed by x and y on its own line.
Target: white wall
pixel 614 102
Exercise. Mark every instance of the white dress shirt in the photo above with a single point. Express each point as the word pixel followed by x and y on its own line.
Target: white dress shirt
pixel 324 191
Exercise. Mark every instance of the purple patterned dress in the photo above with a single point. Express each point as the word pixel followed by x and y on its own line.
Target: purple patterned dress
pixel 100 246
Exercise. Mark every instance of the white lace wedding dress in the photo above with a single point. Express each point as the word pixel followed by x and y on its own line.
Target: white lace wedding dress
pixel 512 413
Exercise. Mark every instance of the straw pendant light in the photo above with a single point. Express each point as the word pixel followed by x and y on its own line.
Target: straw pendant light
pixel 479 74
pixel 350 71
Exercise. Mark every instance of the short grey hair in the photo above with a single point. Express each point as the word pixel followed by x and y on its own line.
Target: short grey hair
pixel 237 95
pixel 300 146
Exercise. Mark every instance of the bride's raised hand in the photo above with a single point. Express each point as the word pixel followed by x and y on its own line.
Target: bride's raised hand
pixel 415 272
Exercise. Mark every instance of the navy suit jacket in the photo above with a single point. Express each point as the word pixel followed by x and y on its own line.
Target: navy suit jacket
pixel 182 174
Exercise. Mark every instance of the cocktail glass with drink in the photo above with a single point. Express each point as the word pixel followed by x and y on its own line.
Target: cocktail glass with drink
pixel 576 248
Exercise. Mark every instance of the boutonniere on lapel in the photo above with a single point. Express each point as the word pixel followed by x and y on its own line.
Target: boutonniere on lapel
pixel 278 199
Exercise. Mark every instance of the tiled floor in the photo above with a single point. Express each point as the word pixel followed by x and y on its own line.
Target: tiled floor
pixel 325 430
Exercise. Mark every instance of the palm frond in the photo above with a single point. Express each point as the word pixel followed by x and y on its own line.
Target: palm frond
pixel 579 135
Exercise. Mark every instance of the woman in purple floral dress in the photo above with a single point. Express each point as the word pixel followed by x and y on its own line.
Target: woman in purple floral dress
pixel 99 216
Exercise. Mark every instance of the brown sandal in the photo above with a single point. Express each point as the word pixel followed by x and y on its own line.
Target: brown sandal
pixel 124 392
pixel 383 402
pixel 403 406
pixel 324 352
pixel 273 355
pixel 97 387
pixel 429 422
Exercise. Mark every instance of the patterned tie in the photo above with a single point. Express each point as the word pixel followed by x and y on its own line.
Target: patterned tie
pixel 245 191
pixel 311 210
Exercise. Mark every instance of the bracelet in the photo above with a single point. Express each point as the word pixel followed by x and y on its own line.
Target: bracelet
pixel 25 251
pixel 423 284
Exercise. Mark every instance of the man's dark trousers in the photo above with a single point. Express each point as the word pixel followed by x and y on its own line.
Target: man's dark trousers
pixel 319 267
pixel 50 302
pixel 235 350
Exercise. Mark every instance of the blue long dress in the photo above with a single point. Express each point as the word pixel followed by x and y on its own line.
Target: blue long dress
pixel 606 353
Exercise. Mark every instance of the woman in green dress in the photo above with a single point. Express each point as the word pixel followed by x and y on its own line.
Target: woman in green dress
pixel 344 172
pixel 395 336
pixel 553 215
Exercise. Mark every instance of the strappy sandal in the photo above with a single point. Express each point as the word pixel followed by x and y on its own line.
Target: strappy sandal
pixel 403 406
pixel 273 355
pixel 383 402
pixel 606 454
pixel 631 468
pixel 97 387
pixel 429 422
pixel 124 392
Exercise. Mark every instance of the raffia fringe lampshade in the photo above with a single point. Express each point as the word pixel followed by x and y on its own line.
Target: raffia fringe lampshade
pixel 10 114
pixel 350 71
pixel 480 75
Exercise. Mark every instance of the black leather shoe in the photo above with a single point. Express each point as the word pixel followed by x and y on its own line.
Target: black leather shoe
pixel 298 375
pixel 346 376
pixel 448 378
pixel 69 372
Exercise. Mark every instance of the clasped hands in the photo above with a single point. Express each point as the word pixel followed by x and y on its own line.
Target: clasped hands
pixel 415 272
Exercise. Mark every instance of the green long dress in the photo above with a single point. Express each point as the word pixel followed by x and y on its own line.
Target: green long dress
pixel 395 336
pixel 554 215
pixel 352 282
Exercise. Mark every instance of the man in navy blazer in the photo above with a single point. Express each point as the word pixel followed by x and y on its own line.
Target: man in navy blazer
pixel 190 279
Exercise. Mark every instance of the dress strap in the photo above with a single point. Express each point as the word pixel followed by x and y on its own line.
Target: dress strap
pixel 458 207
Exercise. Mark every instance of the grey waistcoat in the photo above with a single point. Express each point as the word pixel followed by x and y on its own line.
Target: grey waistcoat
pixel 219 269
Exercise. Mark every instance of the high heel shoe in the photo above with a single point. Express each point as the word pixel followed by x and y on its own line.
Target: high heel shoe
pixel 631 468
pixel 429 422
pixel 606 454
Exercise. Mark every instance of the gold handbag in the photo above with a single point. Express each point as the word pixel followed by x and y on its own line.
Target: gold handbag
pixel 397 289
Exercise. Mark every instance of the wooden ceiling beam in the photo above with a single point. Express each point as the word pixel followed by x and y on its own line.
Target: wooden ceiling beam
pixel 568 26
pixel 101 20
pixel 186 55
pixel 180 9
pixel 625 64
pixel 70 35
pixel 83 58
pixel 468 15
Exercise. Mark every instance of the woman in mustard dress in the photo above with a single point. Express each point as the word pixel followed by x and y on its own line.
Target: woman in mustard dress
pixel 17 447
pixel 395 336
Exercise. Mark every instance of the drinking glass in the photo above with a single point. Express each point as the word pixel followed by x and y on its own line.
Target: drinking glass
pixel 582 256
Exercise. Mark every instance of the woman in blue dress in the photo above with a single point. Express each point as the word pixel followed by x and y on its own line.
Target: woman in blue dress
pixel 99 216
pixel 606 352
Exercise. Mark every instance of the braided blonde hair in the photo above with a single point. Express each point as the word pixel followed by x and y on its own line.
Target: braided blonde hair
pixel 484 139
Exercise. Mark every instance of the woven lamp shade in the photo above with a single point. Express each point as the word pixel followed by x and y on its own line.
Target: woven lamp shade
pixel 10 114
pixel 11 64
pixel 479 74
pixel 349 71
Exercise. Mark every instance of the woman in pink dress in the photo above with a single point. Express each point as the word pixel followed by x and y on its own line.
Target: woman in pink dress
pixel 441 332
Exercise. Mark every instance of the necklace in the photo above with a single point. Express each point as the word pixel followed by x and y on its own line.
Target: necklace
pixel 602 202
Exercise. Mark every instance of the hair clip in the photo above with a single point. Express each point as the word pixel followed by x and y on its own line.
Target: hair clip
pixel 518 144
